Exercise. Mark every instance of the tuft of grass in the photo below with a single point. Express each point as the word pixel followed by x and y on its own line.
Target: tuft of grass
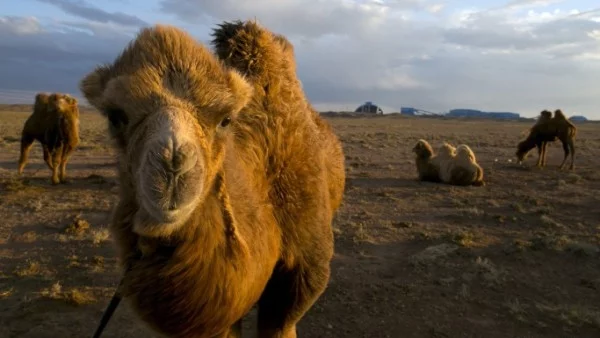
pixel 73 296
pixel 490 273
pixel 77 227
pixel 98 261
pixel 432 253
pixel 519 208
pixel 521 245
pixel 549 222
pixel 26 237
pixel 574 316
pixel 463 238
pixel 464 293
pixel 6 293
pixel 493 203
pixel 99 236
pixel 79 297
pixel 29 269
pixel 361 234
pixel 473 211
pixel 549 242
pixel 516 309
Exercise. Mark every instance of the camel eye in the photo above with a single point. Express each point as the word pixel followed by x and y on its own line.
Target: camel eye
pixel 117 117
pixel 226 121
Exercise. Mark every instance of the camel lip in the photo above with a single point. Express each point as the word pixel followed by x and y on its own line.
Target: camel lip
pixel 158 214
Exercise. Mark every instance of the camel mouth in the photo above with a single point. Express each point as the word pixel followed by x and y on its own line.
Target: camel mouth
pixel 166 199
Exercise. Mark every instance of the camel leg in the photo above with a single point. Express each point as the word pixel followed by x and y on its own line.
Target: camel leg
pixel 540 149
pixel 572 146
pixel 56 156
pixel 66 154
pixel 289 294
pixel 47 156
pixel 544 149
pixel 26 144
pixel 566 151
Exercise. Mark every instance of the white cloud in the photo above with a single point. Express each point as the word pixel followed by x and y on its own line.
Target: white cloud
pixel 54 55
pixel 19 25
pixel 435 8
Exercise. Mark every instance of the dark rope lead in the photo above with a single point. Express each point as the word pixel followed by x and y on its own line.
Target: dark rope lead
pixel 110 309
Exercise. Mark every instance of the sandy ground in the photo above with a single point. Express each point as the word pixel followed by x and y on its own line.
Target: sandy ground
pixel 516 258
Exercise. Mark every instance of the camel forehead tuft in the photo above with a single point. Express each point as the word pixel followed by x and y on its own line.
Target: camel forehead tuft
pixel 164 62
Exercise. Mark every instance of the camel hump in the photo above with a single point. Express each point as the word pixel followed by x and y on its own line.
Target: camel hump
pixel 558 114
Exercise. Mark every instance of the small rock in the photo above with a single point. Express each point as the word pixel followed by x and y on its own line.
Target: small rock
pixel 433 253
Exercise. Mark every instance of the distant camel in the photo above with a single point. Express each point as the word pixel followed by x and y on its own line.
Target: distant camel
pixel 548 130
pixel 55 124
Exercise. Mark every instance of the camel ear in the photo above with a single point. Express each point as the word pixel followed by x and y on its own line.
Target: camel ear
pixel 92 86
pixel 241 89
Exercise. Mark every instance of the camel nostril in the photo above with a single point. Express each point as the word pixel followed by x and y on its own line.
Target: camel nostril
pixel 184 159
pixel 178 160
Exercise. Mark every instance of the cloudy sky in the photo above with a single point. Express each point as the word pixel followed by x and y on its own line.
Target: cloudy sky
pixel 495 55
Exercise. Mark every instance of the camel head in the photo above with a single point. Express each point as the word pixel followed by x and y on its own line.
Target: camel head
pixel 545 115
pixel 423 149
pixel 62 102
pixel 523 148
pixel 170 106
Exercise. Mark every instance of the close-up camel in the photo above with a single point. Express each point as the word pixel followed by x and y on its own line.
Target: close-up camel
pixel 226 197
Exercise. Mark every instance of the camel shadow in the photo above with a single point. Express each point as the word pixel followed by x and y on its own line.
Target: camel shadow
pixel 36 166
pixel 90 182
pixel 385 182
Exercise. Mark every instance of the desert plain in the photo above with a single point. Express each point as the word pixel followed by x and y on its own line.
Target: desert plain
pixel 519 257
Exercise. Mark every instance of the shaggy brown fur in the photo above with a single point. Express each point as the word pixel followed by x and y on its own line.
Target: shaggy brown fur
pixel 444 159
pixel 548 130
pixel 331 143
pixel 249 219
pixel 545 116
pixel 426 169
pixel 466 170
pixel 334 153
pixel 55 124
pixel 458 166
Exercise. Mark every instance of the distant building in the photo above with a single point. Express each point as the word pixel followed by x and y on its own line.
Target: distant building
pixel 408 111
pixel 370 108
pixel 482 114
pixel 416 112
pixel 578 118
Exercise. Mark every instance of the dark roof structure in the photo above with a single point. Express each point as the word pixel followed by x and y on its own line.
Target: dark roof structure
pixel 369 107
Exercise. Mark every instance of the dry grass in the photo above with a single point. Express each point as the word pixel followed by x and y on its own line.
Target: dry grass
pixel 72 296
pixel 517 258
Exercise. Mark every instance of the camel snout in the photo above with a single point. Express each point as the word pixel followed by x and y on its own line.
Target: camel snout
pixel 174 157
